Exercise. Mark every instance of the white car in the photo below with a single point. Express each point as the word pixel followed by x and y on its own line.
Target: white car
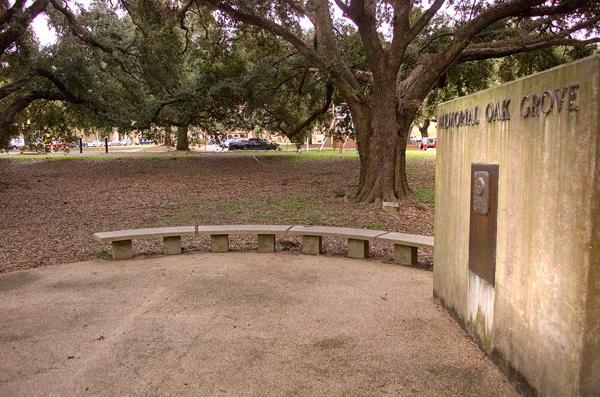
pixel 125 142
pixel 16 143
pixel 95 144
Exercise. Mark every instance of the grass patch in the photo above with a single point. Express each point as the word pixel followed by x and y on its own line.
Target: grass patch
pixel 419 154
pixel 424 195
pixel 185 216
pixel 290 155
pixel 103 253
pixel 372 226
pixel 260 210
pixel 304 156
pixel 97 156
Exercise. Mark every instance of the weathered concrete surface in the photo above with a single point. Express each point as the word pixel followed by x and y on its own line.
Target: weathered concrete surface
pixel 266 243
pixel 412 240
pixel 242 229
pixel 542 318
pixel 405 255
pixel 234 324
pixel 149 233
pixel 219 243
pixel 172 245
pixel 312 245
pixel 122 249
pixel 347 232
pixel 358 249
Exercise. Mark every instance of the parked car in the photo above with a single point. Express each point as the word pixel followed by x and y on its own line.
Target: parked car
pixel 427 143
pixel 57 145
pixel 95 144
pixel 253 144
pixel 145 142
pixel 125 142
pixel 16 143
pixel 225 144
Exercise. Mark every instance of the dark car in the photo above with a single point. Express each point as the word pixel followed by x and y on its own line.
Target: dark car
pixel 253 144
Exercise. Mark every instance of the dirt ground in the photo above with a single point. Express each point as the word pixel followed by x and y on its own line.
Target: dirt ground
pixel 49 209
pixel 234 324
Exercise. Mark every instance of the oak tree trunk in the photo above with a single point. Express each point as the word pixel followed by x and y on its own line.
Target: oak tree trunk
pixel 168 136
pixel 182 138
pixel 424 127
pixel 382 135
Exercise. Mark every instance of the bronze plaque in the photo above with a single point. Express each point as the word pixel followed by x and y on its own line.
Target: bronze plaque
pixel 483 221
pixel 481 193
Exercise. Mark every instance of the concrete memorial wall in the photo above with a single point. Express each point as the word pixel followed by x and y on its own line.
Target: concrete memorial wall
pixel 517 225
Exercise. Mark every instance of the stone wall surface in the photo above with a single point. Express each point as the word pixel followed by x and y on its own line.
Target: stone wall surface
pixel 542 316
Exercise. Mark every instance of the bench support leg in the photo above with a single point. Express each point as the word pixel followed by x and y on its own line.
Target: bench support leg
pixel 405 255
pixel 312 245
pixel 219 243
pixel 358 248
pixel 172 245
pixel 122 250
pixel 266 243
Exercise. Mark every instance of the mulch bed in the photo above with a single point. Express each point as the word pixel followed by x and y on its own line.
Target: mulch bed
pixel 50 209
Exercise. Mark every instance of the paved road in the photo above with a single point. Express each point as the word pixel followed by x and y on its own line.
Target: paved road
pixel 234 324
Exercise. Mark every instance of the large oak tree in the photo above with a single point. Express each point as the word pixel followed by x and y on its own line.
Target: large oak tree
pixel 409 46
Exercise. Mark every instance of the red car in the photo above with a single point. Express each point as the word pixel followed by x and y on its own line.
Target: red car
pixel 427 143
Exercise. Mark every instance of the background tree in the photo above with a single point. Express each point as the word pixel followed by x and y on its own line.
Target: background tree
pixel 283 93
pixel 132 69
pixel 409 46
pixel 16 18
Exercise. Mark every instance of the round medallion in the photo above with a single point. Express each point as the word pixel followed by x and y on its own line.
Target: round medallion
pixel 479 186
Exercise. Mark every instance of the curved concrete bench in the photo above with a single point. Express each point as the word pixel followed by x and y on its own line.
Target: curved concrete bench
pixel 358 240
pixel 219 235
pixel 406 245
pixel 121 239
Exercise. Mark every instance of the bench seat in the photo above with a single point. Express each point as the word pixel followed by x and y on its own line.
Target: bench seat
pixel 330 231
pixel 121 239
pixel 243 229
pixel 406 245
pixel 413 240
pixel 358 239
pixel 144 234
pixel 219 235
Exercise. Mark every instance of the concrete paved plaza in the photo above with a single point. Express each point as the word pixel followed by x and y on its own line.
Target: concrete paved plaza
pixel 239 323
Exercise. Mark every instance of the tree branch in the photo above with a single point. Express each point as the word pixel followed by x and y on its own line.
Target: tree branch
pixel 14 22
pixel 323 109
pixel 343 80
pixel 9 88
pixel 497 52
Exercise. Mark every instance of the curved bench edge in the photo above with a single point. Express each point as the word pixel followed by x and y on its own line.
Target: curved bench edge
pixel 413 240
pixel 242 229
pixel 334 231
pixel 147 233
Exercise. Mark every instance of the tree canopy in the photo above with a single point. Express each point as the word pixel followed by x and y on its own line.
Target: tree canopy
pixel 278 64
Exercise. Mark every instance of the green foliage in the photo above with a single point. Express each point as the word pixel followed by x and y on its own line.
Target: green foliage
pixel 424 195
pixel 373 226
pixel 282 89
pixel 146 67
pixel 103 252
pixel 460 80
pixel 520 65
